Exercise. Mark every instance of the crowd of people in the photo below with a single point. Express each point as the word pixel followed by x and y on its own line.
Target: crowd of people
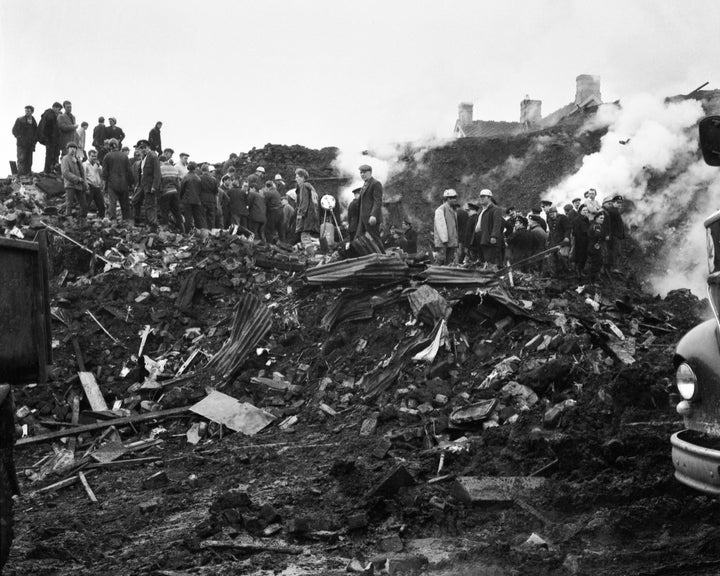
pixel 152 189
pixel 586 239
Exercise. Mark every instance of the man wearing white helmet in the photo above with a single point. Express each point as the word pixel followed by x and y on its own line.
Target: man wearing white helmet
pixel 446 228
pixel 280 184
pixel 257 178
pixel 488 237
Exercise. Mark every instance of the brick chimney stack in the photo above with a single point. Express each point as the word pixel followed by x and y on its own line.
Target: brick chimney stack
pixel 530 112
pixel 587 85
pixel 465 113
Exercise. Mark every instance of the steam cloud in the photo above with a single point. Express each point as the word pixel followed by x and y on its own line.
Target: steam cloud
pixel 649 155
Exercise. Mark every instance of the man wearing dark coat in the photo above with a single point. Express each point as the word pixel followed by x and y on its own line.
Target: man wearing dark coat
pixel 154 139
pixel 114 131
pixel 148 188
pixel 615 230
pixel 371 197
pixel 49 136
pixel 488 235
pixel 560 234
pixel 353 213
pixel 118 176
pixel 25 132
pixel 99 135
pixel 521 243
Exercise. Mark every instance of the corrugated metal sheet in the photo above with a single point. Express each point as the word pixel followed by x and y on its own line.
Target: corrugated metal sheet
pixel 252 322
pixel 459 276
pixel 370 269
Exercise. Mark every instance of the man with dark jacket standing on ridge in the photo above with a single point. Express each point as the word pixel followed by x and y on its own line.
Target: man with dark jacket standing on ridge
pixel 99 134
pixel 154 138
pixel 49 136
pixel 114 131
pixel 371 198
pixel 25 132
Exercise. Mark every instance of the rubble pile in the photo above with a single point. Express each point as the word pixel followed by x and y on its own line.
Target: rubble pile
pixel 355 407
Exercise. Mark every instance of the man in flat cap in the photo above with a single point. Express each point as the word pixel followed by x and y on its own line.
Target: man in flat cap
pixel 148 188
pixel 371 198
pixel 25 132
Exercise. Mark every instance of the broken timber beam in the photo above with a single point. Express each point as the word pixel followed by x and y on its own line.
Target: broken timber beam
pixel 105 424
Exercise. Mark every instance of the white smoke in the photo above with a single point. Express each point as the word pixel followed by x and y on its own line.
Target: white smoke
pixel 649 155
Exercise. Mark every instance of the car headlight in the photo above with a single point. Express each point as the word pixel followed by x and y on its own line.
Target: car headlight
pixel 686 381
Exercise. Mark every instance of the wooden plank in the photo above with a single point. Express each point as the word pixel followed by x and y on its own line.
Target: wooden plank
pixel 58 485
pixel 495 488
pixel 105 424
pixel 92 391
pixel 88 490
pixel 75 417
pixel 123 463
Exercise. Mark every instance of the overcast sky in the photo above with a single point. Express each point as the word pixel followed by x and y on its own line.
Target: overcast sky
pixel 229 76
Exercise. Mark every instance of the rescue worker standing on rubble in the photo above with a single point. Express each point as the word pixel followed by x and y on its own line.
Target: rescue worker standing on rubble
pixel 208 195
pixel 581 239
pixel 521 243
pixel 614 232
pixel 371 198
pixel 307 222
pixel 190 199
pixel 169 200
pixel 273 211
pixel 74 181
pixel 592 204
pixel 353 213
pixel 25 132
pixel 93 175
pixel 488 234
pixel 118 176
pixel 560 233
pixel 67 127
pixel 446 228
pixel 148 185
pixel 596 245
pixel 49 136
pixel 288 234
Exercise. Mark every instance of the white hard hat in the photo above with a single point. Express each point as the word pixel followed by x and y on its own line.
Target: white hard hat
pixel 486 192
pixel 278 177
pixel 449 193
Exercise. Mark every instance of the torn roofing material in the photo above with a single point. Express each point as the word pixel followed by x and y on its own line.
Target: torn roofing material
pixel 370 269
pixel 252 322
pixel 461 276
